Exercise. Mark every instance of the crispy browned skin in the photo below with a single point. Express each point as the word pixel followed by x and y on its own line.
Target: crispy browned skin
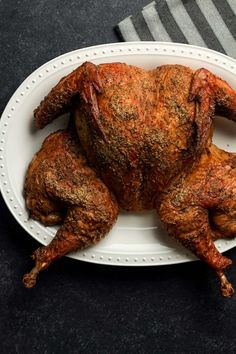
pixel 140 130
pixel 60 187
pixel 200 206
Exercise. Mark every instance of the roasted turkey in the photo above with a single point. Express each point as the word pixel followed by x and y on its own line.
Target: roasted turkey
pixel 139 140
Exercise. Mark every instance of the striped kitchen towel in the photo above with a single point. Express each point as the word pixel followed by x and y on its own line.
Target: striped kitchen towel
pixel 206 23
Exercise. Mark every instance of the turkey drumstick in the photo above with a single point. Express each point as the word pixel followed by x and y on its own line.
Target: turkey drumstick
pixel 200 206
pixel 60 187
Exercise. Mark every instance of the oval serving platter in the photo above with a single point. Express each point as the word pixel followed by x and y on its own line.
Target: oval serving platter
pixel 136 239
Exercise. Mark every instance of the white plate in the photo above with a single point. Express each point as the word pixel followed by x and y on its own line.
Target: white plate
pixel 136 239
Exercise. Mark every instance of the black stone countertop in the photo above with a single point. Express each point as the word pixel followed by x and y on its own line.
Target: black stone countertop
pixel 87 308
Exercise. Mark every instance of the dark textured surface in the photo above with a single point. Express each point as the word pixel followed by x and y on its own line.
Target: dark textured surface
pixel 85 308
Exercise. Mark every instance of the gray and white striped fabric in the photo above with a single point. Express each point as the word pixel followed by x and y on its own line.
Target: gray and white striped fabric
pixel 206 23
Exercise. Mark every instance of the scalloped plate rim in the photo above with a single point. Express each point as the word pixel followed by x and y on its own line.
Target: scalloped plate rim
pixel 94 53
